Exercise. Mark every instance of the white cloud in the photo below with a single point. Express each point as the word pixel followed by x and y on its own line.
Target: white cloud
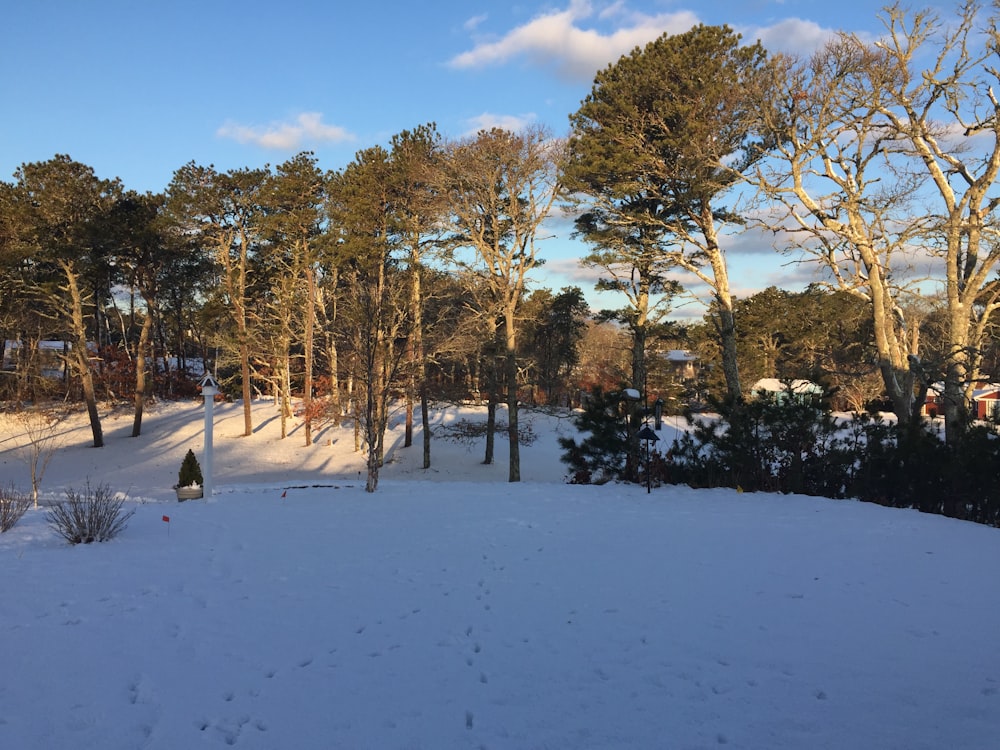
pixel 792 36
pixel 474 22
pixel 569 42
pixel 557 40
pixel 488 120
pixel 307 128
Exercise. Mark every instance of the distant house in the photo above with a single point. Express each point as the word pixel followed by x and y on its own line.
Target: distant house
pixel 682 364
pixel 51 356
pixel 779 390
pixel 985 401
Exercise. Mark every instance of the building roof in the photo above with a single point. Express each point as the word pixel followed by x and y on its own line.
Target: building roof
pixel 774 385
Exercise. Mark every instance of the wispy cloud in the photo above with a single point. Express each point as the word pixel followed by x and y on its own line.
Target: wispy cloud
pixel 577 41
pixel 307 128
pixel 488 120
pixel 792 36
pixel 474 22
pixel 559 40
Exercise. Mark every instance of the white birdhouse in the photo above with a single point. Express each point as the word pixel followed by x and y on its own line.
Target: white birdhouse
pixel 208 386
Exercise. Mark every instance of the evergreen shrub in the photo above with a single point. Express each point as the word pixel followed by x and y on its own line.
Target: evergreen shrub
pixel 602 455
pixel 190 471
pixel 789 446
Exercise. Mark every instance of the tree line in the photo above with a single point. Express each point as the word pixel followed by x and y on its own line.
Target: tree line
pixel 406 273
pixel 402 275
pixel 875 160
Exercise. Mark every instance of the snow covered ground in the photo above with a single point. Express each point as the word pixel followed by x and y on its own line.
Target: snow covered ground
pixel 454 610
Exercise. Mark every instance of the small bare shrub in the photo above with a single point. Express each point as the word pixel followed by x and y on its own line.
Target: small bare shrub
pixel 13 505
pixel 40 430
pixel 467 432
pixel 94 515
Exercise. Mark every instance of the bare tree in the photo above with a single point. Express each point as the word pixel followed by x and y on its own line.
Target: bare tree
pixel 832 152
pixel 41 433
pixel 947 118
pixel 904 134
pixel 501 186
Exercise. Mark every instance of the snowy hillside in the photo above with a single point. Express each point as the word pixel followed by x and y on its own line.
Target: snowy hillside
pixel 453 610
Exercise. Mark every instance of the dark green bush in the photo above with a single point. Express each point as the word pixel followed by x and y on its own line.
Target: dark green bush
pixel 190 472
pixel 792 446
pixel 770 444
pixel 602 455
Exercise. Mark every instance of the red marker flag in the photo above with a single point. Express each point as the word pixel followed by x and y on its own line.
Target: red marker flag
pixel 284 493
pixel 166 519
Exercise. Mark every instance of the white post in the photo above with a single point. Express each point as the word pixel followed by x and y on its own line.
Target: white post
pixel 208 390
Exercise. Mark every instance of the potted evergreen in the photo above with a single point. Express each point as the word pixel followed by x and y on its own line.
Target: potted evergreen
pixel 189 478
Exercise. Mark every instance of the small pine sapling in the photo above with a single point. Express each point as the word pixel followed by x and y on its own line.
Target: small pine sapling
pixel 190 472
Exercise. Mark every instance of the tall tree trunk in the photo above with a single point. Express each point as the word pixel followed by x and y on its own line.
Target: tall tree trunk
pixel 956 415
pixel 893 360
pixel 418 368
pixel 140 369
pixel 327 306
pixel 80 357
pixel 510 375
pixel 730 363
pixel 371 425
pixel 425 421
pixel 310 324
pixel 373 417
pixel 639 331
pixel 237 290
pixel 639 357
pixel 245 377
pixel 724 301
pixel 491 425
pixel 286 388
pixel 408 425
pixel 638 383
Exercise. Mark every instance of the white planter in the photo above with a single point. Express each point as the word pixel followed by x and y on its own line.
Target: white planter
pixel 189 493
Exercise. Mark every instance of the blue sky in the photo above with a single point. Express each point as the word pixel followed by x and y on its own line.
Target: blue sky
pixel 137 89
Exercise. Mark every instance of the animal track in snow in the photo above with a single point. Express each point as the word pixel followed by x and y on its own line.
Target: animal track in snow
pixel 231 729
